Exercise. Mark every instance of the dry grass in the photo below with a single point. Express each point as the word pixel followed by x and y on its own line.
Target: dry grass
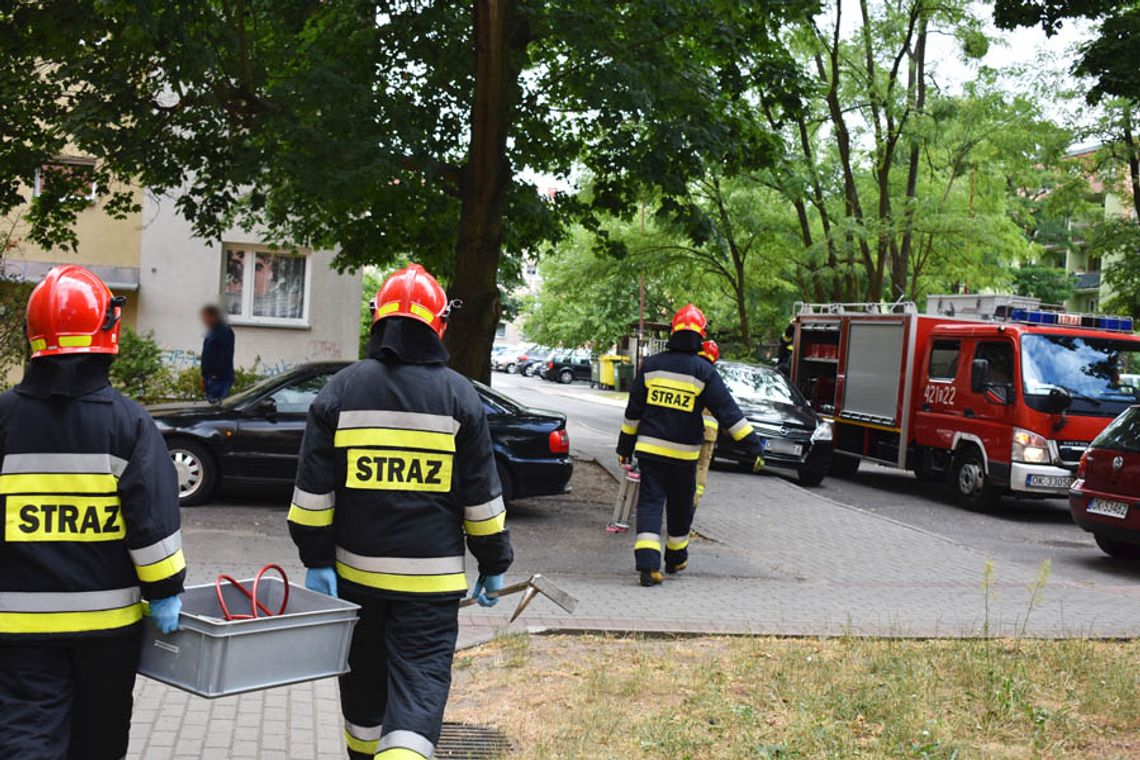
pixel 706 698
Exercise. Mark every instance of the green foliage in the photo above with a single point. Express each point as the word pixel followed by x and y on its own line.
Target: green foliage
pixel 1120 242
pixel 373 279
pixel 138 371
pixel 13 339
pixel 1049 284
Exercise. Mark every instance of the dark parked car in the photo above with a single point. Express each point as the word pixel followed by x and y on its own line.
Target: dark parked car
pixel 566 367
pixel 532 359
pixel 253 437
pixel 795 437
pixel 1105 497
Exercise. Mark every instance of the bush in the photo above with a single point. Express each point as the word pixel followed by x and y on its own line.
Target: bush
pixel 140 373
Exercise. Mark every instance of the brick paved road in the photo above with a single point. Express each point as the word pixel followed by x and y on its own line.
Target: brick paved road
pixel 773 558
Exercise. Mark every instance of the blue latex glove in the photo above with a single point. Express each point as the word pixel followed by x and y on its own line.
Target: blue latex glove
pixel 165 612
pixel 322 580
pixel 492 584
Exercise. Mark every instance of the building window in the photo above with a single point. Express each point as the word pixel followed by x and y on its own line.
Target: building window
pixel 76 173
pixel 265 287
pixel 501 330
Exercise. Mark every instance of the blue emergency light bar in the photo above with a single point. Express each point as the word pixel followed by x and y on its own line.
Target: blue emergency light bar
pixel 1064 319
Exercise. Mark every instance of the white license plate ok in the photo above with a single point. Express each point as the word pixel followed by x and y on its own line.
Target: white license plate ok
pixel 1108 508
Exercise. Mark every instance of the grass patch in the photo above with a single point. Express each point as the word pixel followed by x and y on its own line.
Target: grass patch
pixel 703 698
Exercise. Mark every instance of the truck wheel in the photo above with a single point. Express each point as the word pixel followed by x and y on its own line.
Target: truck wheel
pixel 843 466
pixel 972 489
pixel 1117 549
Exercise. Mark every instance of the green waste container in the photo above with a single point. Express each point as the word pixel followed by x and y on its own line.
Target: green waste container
pixel 595 372
pixel 624 377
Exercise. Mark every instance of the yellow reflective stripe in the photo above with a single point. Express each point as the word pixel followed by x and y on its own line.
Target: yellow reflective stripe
pixel 412 584
pixel 650 541
pixel 676 544
pixel 74 341
pixel 163 569
pixel 58 482
pixel 400 753
pixel 388 308
pixel 628 429
pixel 411 439
pixel 488 527
pixel 69 622
pixel 700 489
pixel 688 326
pixel 740 430
pixel 363 746
pixel 666 451
pixel 671 384
pixel 711 422
pixel 314 518
pixel 39 344
pixel 421 312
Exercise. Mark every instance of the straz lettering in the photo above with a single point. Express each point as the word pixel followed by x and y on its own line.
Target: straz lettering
pixel 55 517
pixel 392 470
pixel 672 398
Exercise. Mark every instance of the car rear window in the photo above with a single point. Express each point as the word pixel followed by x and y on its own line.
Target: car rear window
pixel 1123 433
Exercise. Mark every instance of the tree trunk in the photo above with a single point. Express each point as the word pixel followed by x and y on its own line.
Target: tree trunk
pixel 900 267
pixel 485 179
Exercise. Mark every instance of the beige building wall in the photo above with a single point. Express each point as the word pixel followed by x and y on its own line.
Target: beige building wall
pixel 180 273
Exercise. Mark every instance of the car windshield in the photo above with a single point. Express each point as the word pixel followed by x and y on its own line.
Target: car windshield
pixel 1099 373
pixel 1122 434
pixel 251 392
pixel 755 385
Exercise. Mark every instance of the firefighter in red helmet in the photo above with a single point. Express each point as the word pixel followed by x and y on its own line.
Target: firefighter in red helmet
pixel 91 530
pixel 396 473
pixel 663 426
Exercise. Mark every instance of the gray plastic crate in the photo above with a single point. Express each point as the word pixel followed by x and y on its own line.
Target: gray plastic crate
pixel 212 657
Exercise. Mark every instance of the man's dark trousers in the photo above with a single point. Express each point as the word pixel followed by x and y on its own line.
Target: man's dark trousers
pixel 70 699
pixel 669 486
pixel 400 676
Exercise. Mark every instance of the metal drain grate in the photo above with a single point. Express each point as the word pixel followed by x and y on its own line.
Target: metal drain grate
pixel 463 741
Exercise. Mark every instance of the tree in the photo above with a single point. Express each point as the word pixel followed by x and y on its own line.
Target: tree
pixel 393 129
pixel 1050 284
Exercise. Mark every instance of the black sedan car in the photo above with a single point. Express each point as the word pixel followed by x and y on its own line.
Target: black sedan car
pixel 253 437
pixel 795 437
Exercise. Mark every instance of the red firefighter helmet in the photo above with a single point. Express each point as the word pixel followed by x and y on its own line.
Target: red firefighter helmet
pixel 710 350
pixel 689 317
pixel 412 292
pixel 71 311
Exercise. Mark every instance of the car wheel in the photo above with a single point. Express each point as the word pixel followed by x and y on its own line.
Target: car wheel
pixel 1117 549
pixel 810 478
pixel 505 482
pixel 565 377
pixel 196 470
pixel 512 368
pixel 843 466
pixel 972 489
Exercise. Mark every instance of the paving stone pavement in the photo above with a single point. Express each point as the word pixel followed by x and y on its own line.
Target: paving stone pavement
pixel 771 558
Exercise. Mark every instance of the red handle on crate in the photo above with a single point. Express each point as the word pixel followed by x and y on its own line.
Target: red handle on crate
pixel 255 604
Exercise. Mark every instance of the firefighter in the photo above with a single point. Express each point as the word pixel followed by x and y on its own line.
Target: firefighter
pixel 663 427
pixel 786 350
pixel 396 469
pixel 711 352
pixel 91 529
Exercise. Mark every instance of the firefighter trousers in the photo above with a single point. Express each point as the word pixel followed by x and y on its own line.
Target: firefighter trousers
pixel 68 699
pixel 667 486
pixel 400 659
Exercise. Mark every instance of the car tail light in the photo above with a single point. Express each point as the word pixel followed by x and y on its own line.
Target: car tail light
pixel 1083 467
pixel 559 441
pixel 550 365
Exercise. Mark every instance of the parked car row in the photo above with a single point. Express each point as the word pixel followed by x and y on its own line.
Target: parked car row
pixel 557 365
pixel 254 437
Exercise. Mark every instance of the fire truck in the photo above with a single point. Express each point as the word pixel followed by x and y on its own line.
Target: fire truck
pixel 989 394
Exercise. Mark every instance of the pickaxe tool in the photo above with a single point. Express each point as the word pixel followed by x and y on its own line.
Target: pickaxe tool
pixel 531 588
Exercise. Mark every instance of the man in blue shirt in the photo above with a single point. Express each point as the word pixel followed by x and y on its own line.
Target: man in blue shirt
pixel 217 355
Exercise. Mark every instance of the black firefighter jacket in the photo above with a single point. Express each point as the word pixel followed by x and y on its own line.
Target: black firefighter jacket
pixel 396 470
pixel 663 418
pixel 91 522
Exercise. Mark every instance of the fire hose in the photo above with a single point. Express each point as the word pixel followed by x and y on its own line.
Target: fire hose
pixel 255 604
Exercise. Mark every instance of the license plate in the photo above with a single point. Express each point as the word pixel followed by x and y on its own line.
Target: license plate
pixel 1055 482
pixel 1108 508
pixel 779 446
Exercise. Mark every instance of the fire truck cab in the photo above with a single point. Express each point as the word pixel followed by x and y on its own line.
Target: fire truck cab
pixel 991 394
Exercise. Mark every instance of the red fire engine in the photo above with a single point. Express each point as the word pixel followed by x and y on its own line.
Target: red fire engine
pixel 988 393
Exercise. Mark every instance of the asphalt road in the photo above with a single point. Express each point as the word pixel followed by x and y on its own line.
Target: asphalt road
pixel 1024 532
